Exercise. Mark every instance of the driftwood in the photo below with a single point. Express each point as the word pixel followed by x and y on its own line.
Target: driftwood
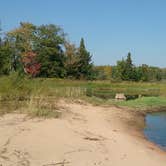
pixel 59 163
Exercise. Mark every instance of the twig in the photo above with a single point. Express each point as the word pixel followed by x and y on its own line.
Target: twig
pixel 59 163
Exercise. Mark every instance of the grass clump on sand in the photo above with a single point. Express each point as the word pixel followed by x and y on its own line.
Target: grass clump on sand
pixel 44 113
pixel 43 107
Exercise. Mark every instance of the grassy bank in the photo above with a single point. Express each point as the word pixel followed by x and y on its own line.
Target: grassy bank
pixel 145 103
pixel 38 97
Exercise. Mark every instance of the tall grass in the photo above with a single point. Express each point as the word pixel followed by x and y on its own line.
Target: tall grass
pixel 38 96
pixel 41 106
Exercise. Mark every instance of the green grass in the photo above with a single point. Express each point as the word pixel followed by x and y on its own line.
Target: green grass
pixel 28 95
pixel 144 102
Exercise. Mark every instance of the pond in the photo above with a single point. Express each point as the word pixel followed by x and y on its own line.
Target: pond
pixel 155 129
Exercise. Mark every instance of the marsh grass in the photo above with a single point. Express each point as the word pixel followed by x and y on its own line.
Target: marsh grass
pixel 38 97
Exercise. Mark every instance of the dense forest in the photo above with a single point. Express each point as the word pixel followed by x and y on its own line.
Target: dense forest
pixel 44 51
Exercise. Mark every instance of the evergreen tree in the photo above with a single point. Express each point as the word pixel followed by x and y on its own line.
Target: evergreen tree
pixel 129 68
pixel 85 66
pixel 126 70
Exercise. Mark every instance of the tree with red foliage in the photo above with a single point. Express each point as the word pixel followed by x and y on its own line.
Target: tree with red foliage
pixel 30 64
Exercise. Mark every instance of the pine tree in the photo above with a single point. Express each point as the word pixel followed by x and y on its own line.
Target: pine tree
pixel 125 69
pixel 129 69
pixel 85 66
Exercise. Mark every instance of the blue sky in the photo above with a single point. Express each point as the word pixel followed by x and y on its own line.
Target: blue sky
pixel 111 28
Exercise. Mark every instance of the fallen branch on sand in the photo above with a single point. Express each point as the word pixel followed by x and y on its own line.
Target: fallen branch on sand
pixel 92 139
pixel 59 163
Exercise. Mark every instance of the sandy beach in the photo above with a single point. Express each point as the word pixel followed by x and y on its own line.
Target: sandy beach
pixel 84 135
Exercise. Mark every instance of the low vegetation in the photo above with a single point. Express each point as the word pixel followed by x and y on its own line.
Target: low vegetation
pixel 39 96
pixel 145 103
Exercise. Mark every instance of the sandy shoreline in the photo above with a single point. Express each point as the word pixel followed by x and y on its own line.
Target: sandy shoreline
pixel 85 135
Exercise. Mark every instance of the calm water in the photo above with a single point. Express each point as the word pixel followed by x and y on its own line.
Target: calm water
pixel 156 128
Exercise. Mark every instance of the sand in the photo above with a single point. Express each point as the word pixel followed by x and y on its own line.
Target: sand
pixel 85 135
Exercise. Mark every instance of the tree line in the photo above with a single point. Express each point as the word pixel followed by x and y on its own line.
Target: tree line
pixel 44 51
pixel 125 70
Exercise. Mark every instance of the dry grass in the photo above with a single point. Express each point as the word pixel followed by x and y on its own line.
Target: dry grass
pixel 38 97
